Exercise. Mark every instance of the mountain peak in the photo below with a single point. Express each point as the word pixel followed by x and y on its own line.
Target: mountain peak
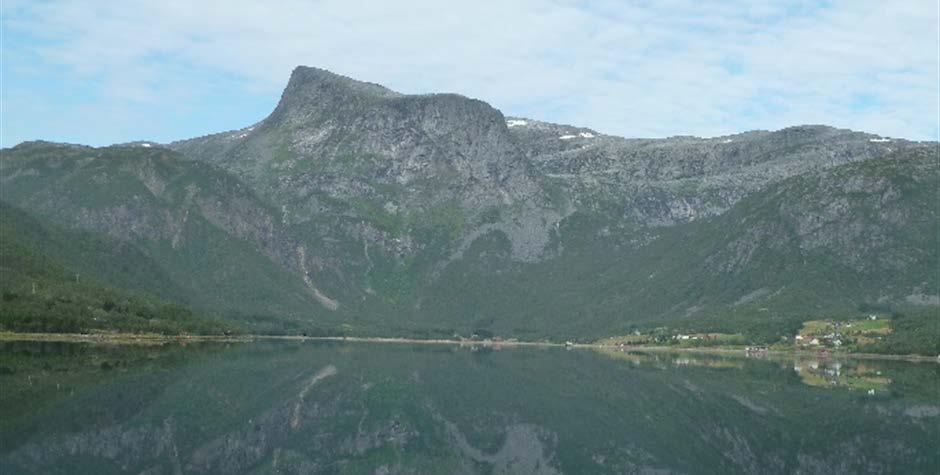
pixel 311 89
pixel 305 78
pixel 323 103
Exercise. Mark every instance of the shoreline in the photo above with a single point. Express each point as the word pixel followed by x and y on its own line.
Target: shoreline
pixel 409 341
pixel 120 338
pixel 155 339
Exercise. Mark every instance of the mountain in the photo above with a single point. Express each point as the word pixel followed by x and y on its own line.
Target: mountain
pixel 355 208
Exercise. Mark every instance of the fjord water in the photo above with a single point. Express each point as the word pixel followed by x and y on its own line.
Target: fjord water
pixel 306 407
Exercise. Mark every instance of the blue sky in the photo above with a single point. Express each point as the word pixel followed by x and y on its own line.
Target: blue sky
pixel 98 72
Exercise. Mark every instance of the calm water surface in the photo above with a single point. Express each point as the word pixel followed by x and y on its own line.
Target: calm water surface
pixel 301 407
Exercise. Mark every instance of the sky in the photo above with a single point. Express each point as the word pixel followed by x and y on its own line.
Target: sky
pixel 102 72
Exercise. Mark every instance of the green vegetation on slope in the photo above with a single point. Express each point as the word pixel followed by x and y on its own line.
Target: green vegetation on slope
pixel 183 231
pixel 39 294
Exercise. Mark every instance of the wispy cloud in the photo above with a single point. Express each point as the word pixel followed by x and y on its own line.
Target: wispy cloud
pixel 100 72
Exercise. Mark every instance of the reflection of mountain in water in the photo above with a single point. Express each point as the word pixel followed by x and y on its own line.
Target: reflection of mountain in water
pixel 311 408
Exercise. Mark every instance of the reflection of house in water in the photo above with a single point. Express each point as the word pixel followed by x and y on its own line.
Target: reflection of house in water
pixel 759 351
pixel 633 357
pixel 667 360
pixel 836 374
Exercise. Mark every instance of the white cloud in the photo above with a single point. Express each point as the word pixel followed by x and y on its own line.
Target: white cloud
pixel 643 69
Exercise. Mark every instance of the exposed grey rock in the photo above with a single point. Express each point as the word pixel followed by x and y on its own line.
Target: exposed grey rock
pixel 333 141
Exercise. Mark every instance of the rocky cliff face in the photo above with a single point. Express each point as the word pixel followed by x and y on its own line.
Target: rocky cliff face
pixel 333 143
pixel 680 179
